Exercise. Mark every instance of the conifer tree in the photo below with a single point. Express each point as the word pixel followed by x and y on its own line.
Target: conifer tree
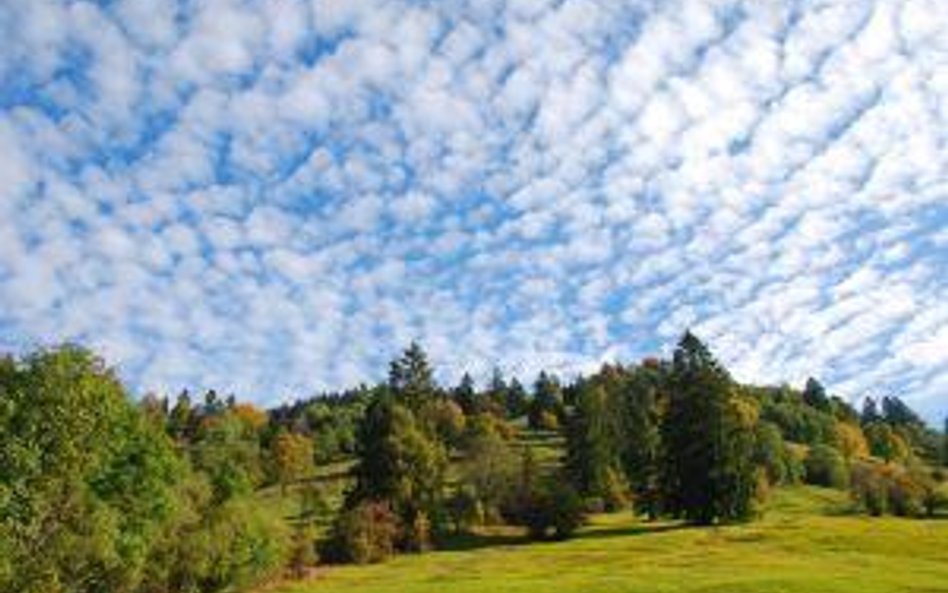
pixel 709 474
pixel 410 378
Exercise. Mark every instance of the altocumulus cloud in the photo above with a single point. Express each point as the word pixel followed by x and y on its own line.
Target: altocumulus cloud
pixel 271 197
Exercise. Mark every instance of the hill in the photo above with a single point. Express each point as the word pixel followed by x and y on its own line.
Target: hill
pixel 806 542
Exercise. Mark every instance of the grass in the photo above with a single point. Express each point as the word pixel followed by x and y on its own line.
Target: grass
pixel 805 543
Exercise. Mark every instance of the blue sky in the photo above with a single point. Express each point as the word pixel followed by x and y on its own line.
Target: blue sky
pixel 272 197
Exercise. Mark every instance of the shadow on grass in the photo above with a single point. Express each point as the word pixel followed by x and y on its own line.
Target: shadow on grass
pixel 475 541
pixel 637 529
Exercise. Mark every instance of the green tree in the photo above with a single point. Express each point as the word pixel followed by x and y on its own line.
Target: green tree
pixel 465 394
pixel 886 443
pixel 547 401
pixel 291 457
pixel 516 399
pixel 641 453
pixel 181 417
pixel 592 440
pixel 489 471
pixel 944 445
pixel 87 484
pixel 398 462
pixel 770 452
pixel 825 466
pixel 709 474
pixel 410 378
pixel 227 449
pixel 814 394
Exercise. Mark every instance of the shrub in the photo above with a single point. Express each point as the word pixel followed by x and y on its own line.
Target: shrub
pixel 232 546
pixel 794 470
pixel 868 489
pixel 826 467
pixel 880 489
pixel 363 534
pixel 553 511
pixel 302 553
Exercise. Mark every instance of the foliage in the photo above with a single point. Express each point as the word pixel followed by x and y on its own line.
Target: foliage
pixel 771 453
pixel 86 483
pixel 814 395
pixel 641 414
pixel 886 443
pixel 488 473
pixel 546 408
pixel 445 419
pixel 228 450
pixel 365 533
pixel 398 463
pixel 291 458
pixel 850 441
pixel 553 510
pixel 593 438
pixel 709 440
pixel 410 378
pixel 825 466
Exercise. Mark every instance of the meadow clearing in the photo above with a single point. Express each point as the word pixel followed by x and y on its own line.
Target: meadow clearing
pixel 806 542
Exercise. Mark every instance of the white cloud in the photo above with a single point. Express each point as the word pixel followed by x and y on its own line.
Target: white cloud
pixel 272 198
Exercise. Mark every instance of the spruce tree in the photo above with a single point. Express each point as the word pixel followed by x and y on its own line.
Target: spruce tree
pixel 814 395
pixel 465 394
pixel 641 453
pixel 591 441
pixel 709 474
pixel 410 378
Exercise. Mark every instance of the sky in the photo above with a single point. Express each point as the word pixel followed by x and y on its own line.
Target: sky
pixel 274 197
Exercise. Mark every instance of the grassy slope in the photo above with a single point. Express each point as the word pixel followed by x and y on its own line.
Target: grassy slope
pixel 804 544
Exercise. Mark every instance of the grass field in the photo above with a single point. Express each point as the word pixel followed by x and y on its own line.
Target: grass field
pixel 805 543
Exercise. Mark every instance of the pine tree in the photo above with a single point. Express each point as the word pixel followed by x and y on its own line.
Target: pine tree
pixel 709 474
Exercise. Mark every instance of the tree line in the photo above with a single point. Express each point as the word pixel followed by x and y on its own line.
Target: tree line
pixel 99 492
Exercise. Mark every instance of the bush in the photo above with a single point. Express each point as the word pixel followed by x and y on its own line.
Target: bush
pixel 826 467
pixel 553 511
pixel 302 553
pixel 794 470
pixel 363 534
pixel 232 546
pixel 868 489
pixel 880 489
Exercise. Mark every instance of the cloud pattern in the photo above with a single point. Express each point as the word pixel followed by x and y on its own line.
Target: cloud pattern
pixel 273 197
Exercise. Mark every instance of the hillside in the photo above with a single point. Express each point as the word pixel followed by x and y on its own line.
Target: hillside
pixel 804 543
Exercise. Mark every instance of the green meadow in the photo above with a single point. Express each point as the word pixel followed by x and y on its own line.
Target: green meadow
pixel 806 542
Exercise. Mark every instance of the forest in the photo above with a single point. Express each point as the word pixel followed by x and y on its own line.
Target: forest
pixel 102 491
